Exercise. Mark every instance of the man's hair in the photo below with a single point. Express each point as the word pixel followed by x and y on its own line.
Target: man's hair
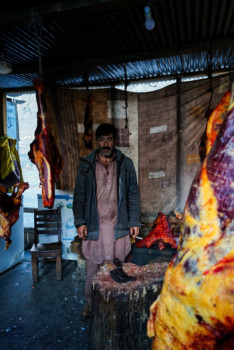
pixel 106 129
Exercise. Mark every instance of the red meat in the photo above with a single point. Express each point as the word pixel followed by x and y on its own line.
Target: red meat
pixel 44 152
pixel 160 234
pixel 9 209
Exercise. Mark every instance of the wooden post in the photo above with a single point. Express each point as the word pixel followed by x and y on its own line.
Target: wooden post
pixel 178 146
pixel 58 268
pixel 120 311
pixel 34 270
pixel 3 124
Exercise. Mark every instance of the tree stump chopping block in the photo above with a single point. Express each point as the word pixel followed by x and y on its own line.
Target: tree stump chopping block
pixel 120 311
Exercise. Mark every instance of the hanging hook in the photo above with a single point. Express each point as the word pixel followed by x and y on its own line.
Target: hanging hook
pixel 209 67
pixel 209 73
pixel 126 97
pixel 231 75
pixel 86 78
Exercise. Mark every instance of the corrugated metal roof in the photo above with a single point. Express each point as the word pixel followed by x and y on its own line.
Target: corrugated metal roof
pixel 90 42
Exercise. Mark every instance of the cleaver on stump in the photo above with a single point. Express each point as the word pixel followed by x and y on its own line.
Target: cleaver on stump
pixel 118 275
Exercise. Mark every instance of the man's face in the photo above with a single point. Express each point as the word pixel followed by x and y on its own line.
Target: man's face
pixel 106 145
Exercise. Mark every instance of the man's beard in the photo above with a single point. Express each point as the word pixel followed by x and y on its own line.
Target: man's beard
pixel 106 152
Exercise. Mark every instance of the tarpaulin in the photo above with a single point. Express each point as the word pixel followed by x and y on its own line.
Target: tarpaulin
pixel 171 123
pixel 10 169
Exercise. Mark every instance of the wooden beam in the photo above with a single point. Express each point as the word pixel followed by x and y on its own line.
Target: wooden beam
pixel 75 65
pixel 111 83
pixel 64 7
pixel 29 210
pixel 25 89
pixel 178 145
pixel 3 124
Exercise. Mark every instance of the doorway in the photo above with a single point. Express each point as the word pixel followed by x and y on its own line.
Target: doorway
pixel 21 125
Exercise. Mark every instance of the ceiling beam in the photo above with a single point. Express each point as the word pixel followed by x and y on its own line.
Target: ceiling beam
pixel 109 83
pixel 153 79
pixel 25 12
pixel 75 65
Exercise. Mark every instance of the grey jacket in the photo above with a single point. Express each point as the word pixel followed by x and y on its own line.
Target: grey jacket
pixel 84 203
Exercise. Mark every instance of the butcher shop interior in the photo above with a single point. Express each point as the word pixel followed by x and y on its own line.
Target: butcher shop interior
pixel 161 72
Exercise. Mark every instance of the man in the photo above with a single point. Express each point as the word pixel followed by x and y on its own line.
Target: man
pixel 106 205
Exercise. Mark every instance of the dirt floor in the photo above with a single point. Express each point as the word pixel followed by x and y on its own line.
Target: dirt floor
pixel 47 316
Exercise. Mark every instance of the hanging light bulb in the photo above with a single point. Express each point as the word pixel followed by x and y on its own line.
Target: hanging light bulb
pixel 149 22
pixel 5 67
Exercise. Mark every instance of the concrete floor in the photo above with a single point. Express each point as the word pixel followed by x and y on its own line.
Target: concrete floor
pixel 47 316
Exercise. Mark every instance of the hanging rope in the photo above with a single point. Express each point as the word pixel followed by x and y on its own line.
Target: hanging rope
pixel 86 78
pixel 36 22
pixel 209 73
pixel 126 97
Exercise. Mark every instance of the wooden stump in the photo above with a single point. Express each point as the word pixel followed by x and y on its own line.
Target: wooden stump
pixel 120 311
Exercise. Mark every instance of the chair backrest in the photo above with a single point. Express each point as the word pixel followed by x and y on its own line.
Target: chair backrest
pixel 47 222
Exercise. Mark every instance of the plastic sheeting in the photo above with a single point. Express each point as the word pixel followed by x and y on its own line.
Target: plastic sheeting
pixel 171 124
pixel 10 169
pixel 163 138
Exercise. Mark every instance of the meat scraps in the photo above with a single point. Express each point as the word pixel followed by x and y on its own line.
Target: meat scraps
pixel 9 209
pixel 144 275
pixel 195 309
pixel 44 152
pixel 160 234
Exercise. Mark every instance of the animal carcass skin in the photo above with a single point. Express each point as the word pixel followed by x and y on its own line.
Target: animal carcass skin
pixel 195 309
pixel 9 209
pixel 44 151
pixel 216 119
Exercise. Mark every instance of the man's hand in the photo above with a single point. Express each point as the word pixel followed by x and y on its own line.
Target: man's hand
pixel 82 232
pixel 134 231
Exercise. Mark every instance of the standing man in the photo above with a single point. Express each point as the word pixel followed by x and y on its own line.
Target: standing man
pixel 106 205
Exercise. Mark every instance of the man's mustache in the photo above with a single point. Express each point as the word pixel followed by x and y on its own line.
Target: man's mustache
pixel 106 148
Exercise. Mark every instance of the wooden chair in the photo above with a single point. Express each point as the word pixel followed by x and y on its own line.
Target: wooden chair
pixel 47 223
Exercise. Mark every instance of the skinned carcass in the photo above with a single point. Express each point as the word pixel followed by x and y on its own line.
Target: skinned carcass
pixel 9 209
pixel 44 152
pixel 195 309
pixel 215 119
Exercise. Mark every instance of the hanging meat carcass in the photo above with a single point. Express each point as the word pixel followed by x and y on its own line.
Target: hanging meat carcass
pixel 44 151
pixel 9 209
pixel 196 307
pixel 216 119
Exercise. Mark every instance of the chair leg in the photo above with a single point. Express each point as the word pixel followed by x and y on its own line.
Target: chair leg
pixel 34 269
pixel 58 268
